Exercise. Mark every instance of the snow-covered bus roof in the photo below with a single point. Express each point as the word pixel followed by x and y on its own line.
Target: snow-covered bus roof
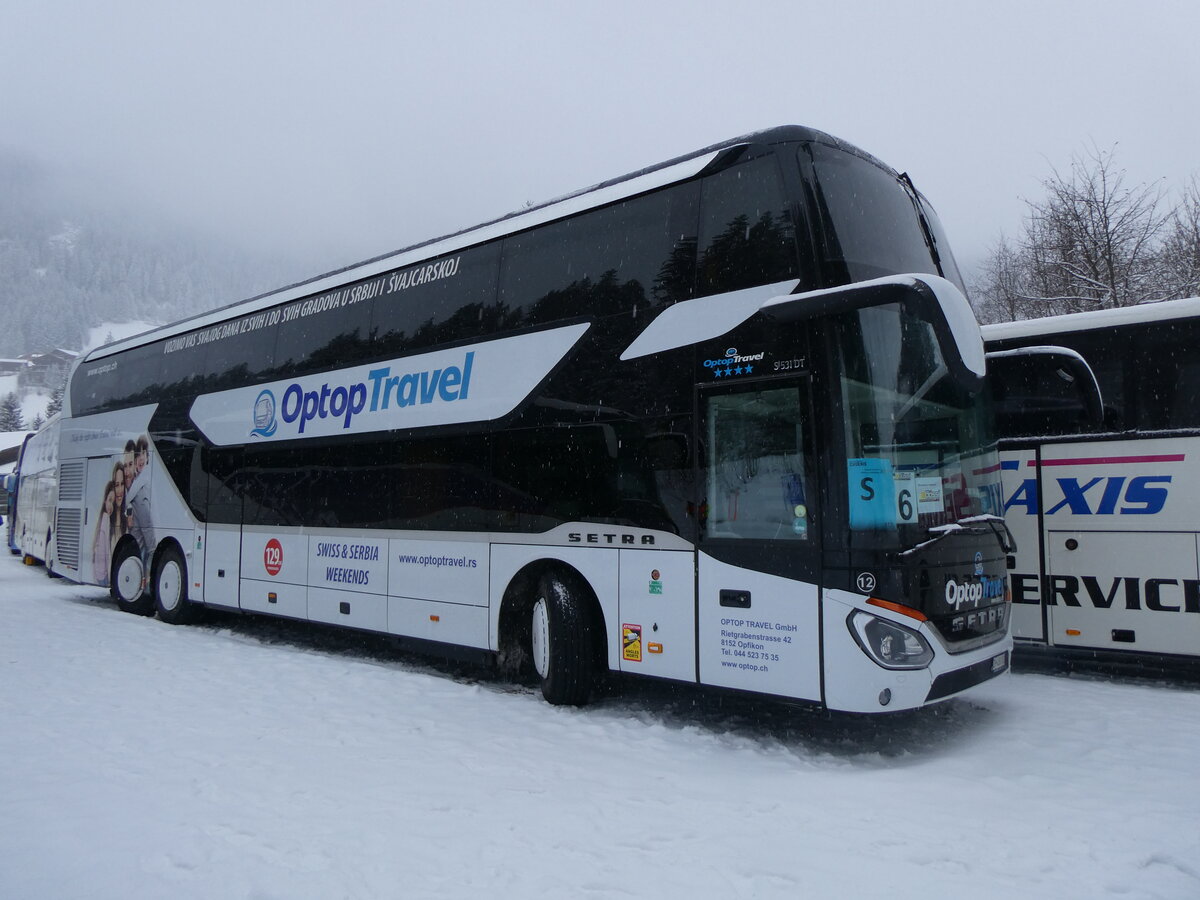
pixel 1161 311
pixel 641 181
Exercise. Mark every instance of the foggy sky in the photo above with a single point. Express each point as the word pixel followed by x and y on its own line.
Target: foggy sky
pixel 339 131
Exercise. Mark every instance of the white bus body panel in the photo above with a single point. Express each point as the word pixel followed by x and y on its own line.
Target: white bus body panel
pixel 1017 473
pixel 1121 562
pixel 658 613
pixel 348 580
pixel 771 647
pixel 438 590
pixel 447 623
pixel 274 571
pixel 221 564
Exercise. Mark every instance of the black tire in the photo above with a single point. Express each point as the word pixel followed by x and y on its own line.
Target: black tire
pixel 171 601
pixel 561 641
pixel 128 581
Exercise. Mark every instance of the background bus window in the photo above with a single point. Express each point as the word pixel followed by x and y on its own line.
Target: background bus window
pixel 755 474
pixel 1109 353
pixel 1169 370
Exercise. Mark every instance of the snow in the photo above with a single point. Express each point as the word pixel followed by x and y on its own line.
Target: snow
pixel 251 758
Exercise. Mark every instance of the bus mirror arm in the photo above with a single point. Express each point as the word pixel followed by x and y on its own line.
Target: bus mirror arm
pixel 1047 362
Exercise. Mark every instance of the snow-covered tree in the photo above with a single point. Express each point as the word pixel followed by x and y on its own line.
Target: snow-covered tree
pixel 1093 242
pixel 10 414
pixel 56 400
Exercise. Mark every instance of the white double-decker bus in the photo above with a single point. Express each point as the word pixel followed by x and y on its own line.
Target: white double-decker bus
pixel 1102 485
pixel 720 421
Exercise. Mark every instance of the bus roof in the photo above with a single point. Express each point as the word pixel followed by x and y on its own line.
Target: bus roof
pixel 660 175
pixel 1159 311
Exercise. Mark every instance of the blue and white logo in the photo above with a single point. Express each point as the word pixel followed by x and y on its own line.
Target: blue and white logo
pixel 978 563
pixel 264 415
pixel 734 363
pixel 478 383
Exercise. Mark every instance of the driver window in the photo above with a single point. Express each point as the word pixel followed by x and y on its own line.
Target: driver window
pixel 755 477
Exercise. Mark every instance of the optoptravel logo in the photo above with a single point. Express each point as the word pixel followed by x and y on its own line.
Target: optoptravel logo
pixel 481 382
pixel 733 363
pixel 376 393
pixel 264 415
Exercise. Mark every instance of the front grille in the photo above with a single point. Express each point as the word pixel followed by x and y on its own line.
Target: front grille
pixel 972 627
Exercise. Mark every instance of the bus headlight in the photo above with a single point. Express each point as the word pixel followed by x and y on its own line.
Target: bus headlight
pixel 890 645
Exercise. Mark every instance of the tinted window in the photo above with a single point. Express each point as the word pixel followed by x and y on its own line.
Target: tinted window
pixel 755 473
pixel 449 299
pixel 625 258
pixel 325 331
pixel 1107 352
pixel 747 236
pixel 221 469
pixel 130 378
pixel 1169 368
pixel 870 226
pixel 225 356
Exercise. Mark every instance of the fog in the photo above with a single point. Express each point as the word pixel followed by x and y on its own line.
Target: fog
pixel 337 131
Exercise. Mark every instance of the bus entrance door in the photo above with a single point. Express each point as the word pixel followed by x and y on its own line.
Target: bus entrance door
pixel 758 608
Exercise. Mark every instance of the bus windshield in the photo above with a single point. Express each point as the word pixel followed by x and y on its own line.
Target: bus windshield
pixel 871 227
pixel 920 452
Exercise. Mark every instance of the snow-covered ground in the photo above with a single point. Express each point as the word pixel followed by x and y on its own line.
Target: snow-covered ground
pixel 249 758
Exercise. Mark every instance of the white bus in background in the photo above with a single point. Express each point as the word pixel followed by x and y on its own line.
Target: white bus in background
pixel 37 494
pixel 700 423
pixel 1104 503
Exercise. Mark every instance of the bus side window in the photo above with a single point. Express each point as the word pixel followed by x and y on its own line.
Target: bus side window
pixel 1169 370
pixel 747 235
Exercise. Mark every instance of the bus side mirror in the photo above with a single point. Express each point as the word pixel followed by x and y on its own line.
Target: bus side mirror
pixel 1043 390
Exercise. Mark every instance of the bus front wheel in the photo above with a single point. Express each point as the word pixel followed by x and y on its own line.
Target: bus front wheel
pixel 128 582
pixel 560 642
pixel 170 589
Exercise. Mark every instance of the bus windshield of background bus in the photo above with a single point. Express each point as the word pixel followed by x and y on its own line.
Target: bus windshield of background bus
pixel 870 226
pixel 919 447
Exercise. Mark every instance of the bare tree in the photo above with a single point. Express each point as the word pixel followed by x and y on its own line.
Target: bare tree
pixel 1092 243
pixel 1001 290
pixel 1181 248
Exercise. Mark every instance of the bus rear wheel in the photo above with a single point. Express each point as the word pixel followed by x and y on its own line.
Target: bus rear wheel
pixel 170 589
pixel 560 642
pixel 128 582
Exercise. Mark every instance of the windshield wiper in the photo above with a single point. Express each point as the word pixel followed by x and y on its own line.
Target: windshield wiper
pixel 968 524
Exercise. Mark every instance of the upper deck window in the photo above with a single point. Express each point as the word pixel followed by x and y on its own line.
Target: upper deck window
pixel 747 236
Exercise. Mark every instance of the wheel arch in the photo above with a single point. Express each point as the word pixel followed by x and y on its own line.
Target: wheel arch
pixel 516 607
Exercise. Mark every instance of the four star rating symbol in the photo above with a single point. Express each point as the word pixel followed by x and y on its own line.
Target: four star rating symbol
pixel 729 371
